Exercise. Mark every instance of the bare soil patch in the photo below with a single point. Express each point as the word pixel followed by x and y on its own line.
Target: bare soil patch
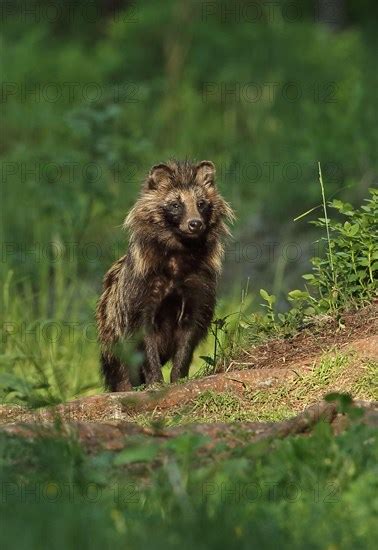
pixel 354 327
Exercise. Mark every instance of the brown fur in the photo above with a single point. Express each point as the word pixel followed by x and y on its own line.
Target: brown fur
pixel 163 290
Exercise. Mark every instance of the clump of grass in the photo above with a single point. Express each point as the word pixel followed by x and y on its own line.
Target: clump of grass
pixel 209 406
pixel 305 388
pixel 216 407
pixel 367 385
pixel 334 372
pixel 47 354
pixel 322 376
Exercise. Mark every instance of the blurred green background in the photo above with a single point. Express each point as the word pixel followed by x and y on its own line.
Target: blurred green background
pixel 94 93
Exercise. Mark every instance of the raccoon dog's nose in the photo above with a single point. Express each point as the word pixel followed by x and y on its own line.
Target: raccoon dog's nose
pixel 195 225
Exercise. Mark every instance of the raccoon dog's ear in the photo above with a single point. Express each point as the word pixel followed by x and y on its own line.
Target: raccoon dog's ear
pixel 160 174
pixel 206 173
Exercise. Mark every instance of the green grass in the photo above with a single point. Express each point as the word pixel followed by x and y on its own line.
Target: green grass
pixel 322 376
pixel 367 385
pixel 335 371
pixel 47 355
pixel 314 492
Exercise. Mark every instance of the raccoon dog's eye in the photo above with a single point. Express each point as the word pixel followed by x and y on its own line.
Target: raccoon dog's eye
pixel 175 205
pixel 201 203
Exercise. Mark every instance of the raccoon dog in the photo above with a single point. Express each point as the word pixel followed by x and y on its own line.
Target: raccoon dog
pixel 163 290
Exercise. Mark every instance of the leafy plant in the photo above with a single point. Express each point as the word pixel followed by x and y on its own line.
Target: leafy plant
pixel 348 274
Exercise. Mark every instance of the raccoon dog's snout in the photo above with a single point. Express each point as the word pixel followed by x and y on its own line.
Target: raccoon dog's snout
pixel 195 225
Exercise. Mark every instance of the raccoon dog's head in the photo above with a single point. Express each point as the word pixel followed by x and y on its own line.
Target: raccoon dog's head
pixel 180 204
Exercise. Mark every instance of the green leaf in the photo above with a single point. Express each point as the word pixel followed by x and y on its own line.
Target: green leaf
pixel 308 277
pixel 270 298
pixel 264 295
pixel 141 453
pixel 298 295
pixel 363 262
pixel 347 226
pixel 354 229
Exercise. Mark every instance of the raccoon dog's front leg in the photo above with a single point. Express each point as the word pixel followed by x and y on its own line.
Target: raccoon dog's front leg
pixel 188 339
pixel 194 323
pixel 151 366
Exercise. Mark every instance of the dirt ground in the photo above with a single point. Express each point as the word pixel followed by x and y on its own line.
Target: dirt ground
pixel 325 333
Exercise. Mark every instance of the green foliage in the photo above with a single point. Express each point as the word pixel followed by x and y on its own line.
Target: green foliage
pixel 226 333
pixel 48 348
pixel 345 277
pixel 317 491
pixel 352 280
pixel 150 106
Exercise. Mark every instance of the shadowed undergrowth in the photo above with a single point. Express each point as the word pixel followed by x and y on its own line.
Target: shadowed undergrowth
pixel 318 490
